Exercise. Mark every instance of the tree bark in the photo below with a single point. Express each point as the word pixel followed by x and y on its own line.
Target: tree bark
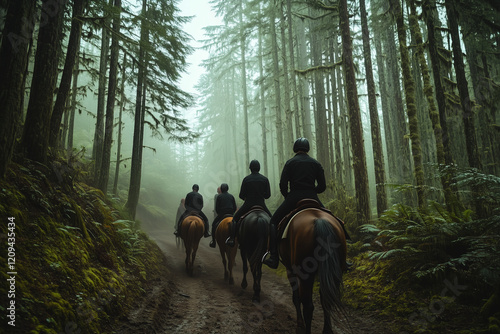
pixel 13 59
pixel 136 166
pixel 411 107
pixel 65 84
pixel 119 139
pixel 378 154
pixel 110 104
pixel 358 149
pixel 244 84
pixel 101 102
pixel 35 140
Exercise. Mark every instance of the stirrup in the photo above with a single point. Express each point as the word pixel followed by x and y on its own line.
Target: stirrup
pixel 264 256
pixel 229 242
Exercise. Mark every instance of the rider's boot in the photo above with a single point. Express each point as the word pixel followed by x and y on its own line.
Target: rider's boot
pixel 273 261
pixel 232 234
pixel 212 243
pixel 207 228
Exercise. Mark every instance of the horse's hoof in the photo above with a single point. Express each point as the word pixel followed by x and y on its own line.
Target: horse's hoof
pixel 244 285
pixel 231 281
pixel 256 300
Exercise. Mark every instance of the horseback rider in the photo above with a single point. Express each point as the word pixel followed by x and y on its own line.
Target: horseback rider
pixel 224 205
pixel 194 204
pixel 255 189
pixel 307 179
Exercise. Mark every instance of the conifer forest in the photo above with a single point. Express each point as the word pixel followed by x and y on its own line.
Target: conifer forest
pixel 111 110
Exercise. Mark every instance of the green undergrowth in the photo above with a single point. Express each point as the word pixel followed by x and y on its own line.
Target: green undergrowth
pixel 80 263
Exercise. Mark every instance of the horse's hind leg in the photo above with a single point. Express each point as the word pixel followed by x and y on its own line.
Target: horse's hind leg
pixel 294 283
pixel 223 255
pixel 257 275
pixel 327 323
pixel 230 264
pixel 244 283
pixel 305 292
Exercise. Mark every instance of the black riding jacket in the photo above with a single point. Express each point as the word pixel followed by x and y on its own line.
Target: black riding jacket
pixel 255 189
pixel 225 204
pixel 194 201
pixel 304 174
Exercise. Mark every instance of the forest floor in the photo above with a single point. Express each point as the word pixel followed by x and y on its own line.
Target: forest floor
pixel 205 303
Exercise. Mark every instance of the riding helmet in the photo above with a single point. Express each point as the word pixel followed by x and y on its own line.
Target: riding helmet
pixel 254 166
pixel 224 187
pixel 301 144
pixel 196 187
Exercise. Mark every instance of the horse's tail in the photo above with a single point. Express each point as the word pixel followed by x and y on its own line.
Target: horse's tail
pixel 329 265
pixel 262 231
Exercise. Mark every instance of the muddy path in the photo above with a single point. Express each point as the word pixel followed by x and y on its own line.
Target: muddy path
pixel 205 303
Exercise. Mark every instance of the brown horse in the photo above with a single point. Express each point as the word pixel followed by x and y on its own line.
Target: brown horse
pixel 314 244
pixel 227 253
pixel 253 235
pixel 191 230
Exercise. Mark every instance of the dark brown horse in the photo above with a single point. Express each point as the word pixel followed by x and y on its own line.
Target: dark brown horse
pixel 191 230
pixel 252 236
pixel 314 245
pixel 227 253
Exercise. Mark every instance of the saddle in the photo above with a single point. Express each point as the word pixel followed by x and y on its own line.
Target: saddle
pixel 252 209
pixel 193 213
pixel 307 203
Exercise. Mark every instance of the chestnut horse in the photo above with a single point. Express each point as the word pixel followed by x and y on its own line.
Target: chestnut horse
pixel 191 231
pixel 253 235
pixel 227 253
pixel 314 244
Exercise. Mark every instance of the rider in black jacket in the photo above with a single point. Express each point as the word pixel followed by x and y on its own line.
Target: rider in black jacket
pixel 255 189
pixel 306 178
pixel 224 205
pixel 194 203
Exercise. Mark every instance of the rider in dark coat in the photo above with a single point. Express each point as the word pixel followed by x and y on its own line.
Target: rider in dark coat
pixel 194 203
pixel 306 178
pixel 224 205
pixel 255 189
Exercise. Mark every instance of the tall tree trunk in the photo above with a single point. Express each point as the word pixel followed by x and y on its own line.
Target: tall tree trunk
pixel 339 179
pixel 35 140
pixel 286 102
pixel 358 149
pixel 319 97
pixel 244 83
pixel 292 66
pixel 110 103
pixel 433 111
pixel 74 91
pixel 465 101
pixel 101 101
pixel 65 84
pixel 378 155
pixel 262 102
pixel 344 128
pixel 13 59
pixel 411 107
pixel 304 82
pixel 119 139
pixel 136 166
pixel 277 88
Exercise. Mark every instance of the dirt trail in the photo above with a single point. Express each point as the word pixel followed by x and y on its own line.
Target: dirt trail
pixel 205 303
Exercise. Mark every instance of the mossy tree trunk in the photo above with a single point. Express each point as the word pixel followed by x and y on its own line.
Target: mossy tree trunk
pixel 13 59
pixel 291 51
pixel 74 89
pixel 67 74
pixel 433 111
pixel 319 98
pixel 378 154
pixel 35 140
pixel 120 125
pixel 110 103
pixel 411 107
pixel 101 101
pixel 338 177
pixel 356 129
pixel 303 83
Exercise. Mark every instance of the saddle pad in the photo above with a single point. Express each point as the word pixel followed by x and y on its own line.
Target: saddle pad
pixel 285 232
